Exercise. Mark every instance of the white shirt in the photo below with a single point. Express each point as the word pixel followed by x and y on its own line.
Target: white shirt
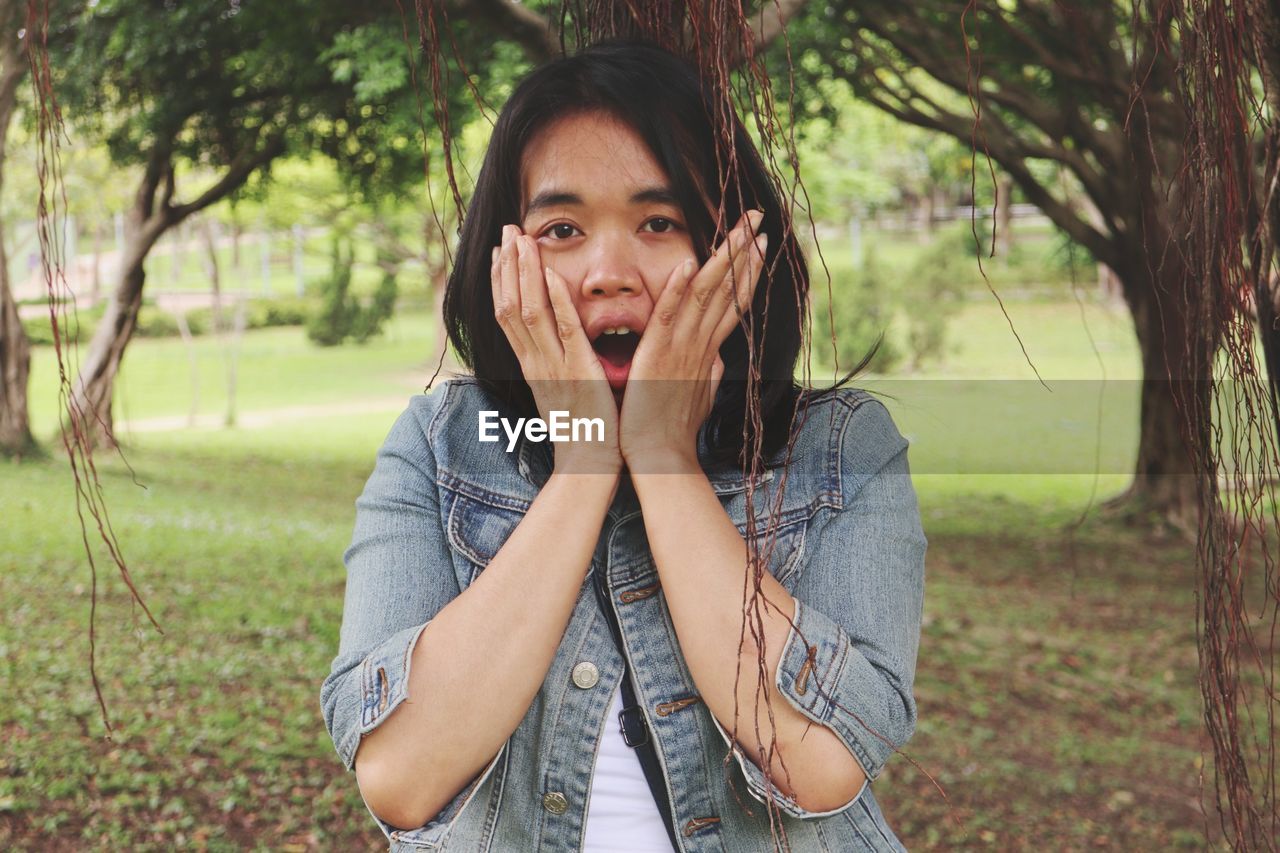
pixel 621 814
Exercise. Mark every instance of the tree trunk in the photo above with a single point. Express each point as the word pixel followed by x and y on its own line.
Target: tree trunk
pixel 15 348
pixel 95 286
pixel 1267 288
pixel 1178 334
pixel 211 268
pixel 177 252
pixel 94 389
pixel 1268 313
pixel 188 342
pixel 440 357
pixel 149 219
pixel 1176 379
pixel 1004 218
pixel 1164 480
pixel 237 231
pixel 15 366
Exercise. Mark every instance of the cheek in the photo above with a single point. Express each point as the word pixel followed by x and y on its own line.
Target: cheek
pixel 654 282
pixel 662 262
pixel 572 269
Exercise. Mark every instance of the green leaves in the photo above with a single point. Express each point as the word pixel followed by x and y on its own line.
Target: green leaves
pixel 371 59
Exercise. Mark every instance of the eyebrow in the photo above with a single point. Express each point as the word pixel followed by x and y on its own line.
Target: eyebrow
pixel 561 198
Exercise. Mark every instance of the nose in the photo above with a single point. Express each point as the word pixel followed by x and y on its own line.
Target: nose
pixel 612 271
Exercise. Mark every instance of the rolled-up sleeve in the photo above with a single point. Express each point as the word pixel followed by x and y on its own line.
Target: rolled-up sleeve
pixel 399 576
pixel 849 661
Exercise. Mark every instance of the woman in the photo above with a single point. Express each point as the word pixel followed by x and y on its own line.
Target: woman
pixel 544 644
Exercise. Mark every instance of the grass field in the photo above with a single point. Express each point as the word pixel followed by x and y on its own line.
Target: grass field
pixel 1059 706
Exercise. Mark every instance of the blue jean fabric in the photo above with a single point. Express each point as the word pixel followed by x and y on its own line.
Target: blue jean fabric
pixel 849 547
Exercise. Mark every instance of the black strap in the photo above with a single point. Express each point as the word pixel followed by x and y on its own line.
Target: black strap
pixel 635 732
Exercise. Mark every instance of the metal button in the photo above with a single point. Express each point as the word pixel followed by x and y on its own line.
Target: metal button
pixel 585 675
pixel 555 802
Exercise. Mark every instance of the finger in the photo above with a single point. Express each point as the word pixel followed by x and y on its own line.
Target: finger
pixel 573 339
pixel 535 305
pixel 708 282
pixel 495 279
pixel 718 301
pixel 713 382
pixel 506 304
pixel 741 292
pixel 701 293
pixel 666 312
pixel 736 281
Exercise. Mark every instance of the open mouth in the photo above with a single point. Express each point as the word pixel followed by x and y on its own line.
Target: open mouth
pixel 617 349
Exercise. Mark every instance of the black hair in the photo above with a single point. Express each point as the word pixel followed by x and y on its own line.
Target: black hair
pixel 664 101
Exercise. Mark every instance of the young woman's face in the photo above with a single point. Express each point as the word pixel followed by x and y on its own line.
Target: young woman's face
pixel 606 219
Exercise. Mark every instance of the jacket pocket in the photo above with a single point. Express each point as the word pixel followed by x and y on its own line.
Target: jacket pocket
pixel 783 550
pixel 477 529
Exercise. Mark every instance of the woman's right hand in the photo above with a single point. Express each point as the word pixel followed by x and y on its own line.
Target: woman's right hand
pixel 538 316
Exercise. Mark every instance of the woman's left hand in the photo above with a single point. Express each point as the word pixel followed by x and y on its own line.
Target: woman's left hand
pixel 677 367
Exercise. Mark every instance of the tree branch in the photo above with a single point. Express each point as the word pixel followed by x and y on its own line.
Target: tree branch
pixel 166 195
pixel 539 38
pixel 237 173
pixel 1010 159
pixel 914 42
pixel 1006 145
pixel 771 20
pixel 158 164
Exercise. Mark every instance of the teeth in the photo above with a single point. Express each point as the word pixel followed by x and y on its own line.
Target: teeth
pixel 621 330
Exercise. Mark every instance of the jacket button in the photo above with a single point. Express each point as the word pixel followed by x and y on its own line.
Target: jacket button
pixel 555 802
pixel 585 675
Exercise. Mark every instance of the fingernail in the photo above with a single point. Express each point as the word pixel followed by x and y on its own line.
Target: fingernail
pixel 754 218
pixel 687 269
pixel 762 242
pixel 493 256
pixel 547 272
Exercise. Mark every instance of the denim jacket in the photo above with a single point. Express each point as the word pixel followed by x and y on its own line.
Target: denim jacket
pixel 849 549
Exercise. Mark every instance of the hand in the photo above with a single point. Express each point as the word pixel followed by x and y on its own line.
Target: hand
pixel 539 319
pixel 677 367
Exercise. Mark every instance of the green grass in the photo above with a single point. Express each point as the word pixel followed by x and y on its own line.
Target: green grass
pixel 1059 707
pixel 276 368
pixel 218 733
pixel 1057 686
pixel 1037 248
pixel 1066 338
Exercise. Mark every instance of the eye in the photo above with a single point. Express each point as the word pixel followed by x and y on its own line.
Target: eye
pixel 661 225
pixel 560 231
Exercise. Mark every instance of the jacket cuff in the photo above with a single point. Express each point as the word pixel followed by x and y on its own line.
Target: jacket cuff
pixel 384 681
pixel 381 685
pixel 831 682
pixel 759 787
